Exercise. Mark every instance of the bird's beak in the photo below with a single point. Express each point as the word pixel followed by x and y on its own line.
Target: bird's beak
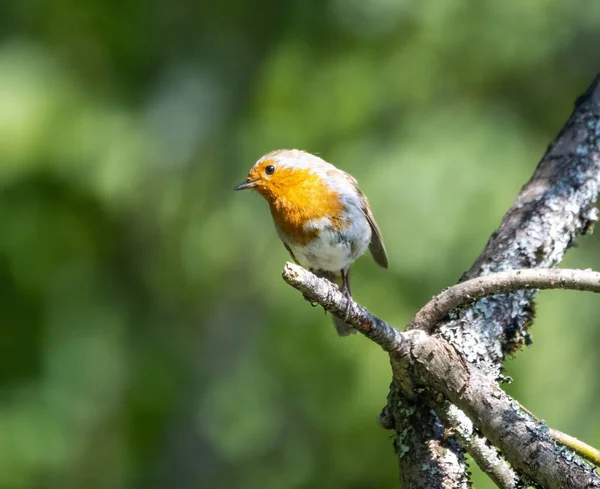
pixel 246 184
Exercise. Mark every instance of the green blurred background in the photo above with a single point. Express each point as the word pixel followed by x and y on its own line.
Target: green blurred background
pixel 147 340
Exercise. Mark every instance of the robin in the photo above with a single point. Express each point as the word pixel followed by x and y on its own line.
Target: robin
pixel 322 217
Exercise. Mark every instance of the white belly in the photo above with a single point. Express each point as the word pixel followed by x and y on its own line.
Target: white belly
pixel 333 250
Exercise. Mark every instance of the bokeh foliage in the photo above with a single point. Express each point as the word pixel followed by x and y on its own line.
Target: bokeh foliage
pixel 146 338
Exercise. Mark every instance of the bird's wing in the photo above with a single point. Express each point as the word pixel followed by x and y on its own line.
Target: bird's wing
pixel 376 246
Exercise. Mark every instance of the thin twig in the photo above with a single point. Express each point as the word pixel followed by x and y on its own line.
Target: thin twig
pixel 500 283
pixel 586 451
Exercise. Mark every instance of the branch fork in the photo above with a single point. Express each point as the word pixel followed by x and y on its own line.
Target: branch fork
pixel 420 359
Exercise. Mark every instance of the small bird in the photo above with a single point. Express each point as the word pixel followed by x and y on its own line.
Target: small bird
pixel 320 214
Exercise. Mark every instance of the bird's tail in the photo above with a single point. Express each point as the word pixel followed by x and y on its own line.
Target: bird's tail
pixel 342 327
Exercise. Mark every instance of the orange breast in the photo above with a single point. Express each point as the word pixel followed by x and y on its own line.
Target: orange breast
pixel 298 196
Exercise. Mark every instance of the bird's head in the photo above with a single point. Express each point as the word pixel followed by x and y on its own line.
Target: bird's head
pixel 279 174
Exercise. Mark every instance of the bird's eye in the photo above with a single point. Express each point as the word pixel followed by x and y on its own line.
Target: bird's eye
pixel 269 170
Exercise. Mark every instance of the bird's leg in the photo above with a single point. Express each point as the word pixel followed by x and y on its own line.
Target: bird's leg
pixel 346 290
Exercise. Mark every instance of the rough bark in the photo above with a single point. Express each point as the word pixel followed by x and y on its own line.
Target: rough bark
pixel 433 461
pixel 525 442
pixel 485 455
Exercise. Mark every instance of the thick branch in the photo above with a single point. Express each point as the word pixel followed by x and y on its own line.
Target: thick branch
pixel 432 461
pixel 500 283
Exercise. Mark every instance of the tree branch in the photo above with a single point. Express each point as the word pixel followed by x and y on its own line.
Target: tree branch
pixel 426 462
pixel 525 442
pixel 500 283
pixel 460 427
pixel 419 359
pixel 320 290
